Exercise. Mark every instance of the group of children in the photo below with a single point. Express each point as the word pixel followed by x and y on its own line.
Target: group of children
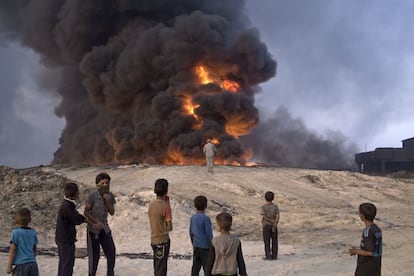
pixel 219 255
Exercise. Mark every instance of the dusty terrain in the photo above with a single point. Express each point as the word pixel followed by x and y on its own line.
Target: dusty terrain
pixel 319 218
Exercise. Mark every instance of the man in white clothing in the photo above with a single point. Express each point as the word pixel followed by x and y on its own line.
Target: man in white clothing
pixel 210 152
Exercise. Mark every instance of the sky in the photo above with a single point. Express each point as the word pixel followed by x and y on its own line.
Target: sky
pixel 342 66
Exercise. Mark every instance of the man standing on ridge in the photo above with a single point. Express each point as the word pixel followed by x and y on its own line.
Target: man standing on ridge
pixel 210 152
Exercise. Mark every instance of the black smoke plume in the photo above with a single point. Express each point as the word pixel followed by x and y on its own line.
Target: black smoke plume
pixel 285 141
pixel 127 68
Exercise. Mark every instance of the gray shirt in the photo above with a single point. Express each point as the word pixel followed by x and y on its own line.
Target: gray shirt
pixel 99 210
pixel 209 150
pixel 269 210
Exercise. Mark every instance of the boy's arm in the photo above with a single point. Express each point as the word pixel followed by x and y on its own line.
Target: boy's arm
pixel 369 247
pixel 109 204
pixel 12 255
pixel 272 221
pixel 74 216
pixel 91 219
pixel 208 230
pixel 210 260
pixel 190 232
pixel 168 215
pixel 168 224
pixel 277 217
pixel 354 251
pixel 266 218
pixel 240 261
pixel 276 221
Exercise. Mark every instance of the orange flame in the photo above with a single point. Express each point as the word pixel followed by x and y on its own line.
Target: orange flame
pixel 206 77
pixel 238 126
pixel 230 86
pixel 203 75
pixel 189 108
pixel 117 147
pixel 215 141
pixel 175 157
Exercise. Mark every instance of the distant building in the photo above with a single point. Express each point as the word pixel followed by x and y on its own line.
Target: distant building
pixel 387 160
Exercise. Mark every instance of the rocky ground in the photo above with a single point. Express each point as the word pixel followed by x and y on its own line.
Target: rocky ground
pixel 319 215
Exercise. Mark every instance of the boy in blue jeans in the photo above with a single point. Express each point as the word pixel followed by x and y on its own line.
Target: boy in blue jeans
pixel 201 234
pixel 23 245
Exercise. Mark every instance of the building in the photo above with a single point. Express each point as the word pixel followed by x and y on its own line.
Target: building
pixel 387 160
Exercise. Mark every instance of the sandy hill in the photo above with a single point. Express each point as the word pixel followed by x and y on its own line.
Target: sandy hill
pixel 319 218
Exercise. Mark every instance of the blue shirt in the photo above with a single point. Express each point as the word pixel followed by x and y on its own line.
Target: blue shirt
pixel 25 239
pixel 201 232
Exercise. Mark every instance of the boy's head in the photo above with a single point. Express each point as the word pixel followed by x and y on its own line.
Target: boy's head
pixel 200 203
pixel 102 181
pixel 102 176
pixel 71 190
pixel 269 196
pixel 368 210
pixel 23 217
pixel 224 221
pixel 161 187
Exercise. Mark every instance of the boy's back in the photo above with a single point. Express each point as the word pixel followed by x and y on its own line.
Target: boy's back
pixel 371 241
pixel 25 239
pixel 158 213
pixel 66 220
pixel 269 210
pixel 370 251
pixel 225 254
pixel 200 230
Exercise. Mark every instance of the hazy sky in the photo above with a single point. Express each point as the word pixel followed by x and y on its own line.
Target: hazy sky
pixel 342 66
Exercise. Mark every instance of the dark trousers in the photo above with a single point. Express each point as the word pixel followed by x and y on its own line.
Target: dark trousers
pixel 94 243
pixel 271 248
pixel 27 269
pixel 200 257
pixel 66 258
pixel 161 252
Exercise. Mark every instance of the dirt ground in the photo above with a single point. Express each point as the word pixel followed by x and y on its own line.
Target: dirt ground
pixel 319 218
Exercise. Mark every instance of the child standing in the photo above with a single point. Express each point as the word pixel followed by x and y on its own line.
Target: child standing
pixel 160 218
pixel 23 245
pixel 370 252
pixel 98 204
pixel 270 219
pixel 201 235
pixel 65 235
pixel 225 255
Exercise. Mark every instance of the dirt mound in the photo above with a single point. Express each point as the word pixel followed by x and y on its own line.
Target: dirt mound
pixel 39 188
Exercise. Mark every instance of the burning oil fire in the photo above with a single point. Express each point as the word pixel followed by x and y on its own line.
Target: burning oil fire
pixel 124 68
pixel 189 109
pixel 206 77
pixel 137 85
pixel 235 126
